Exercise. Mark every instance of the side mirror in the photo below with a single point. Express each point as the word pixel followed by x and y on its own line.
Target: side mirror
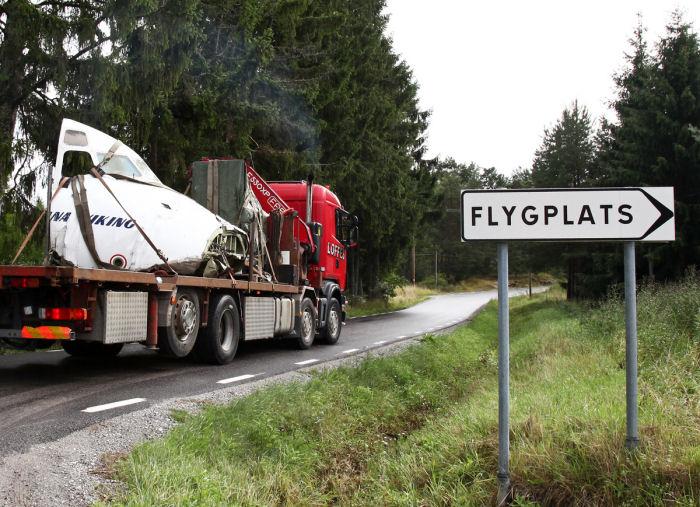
pixel 316 234
pixel 346 228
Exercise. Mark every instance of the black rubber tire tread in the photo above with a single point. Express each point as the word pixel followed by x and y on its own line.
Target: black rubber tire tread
pixel 331 338
pixel 91 349
pixel 168 342
pixel 304 341
pixel 223 317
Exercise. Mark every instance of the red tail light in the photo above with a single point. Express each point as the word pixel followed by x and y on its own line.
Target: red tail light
pixel 24 283
pixel 62 313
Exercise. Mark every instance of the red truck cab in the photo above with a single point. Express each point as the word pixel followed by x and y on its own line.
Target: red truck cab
pixel 336 234
pixel 326 230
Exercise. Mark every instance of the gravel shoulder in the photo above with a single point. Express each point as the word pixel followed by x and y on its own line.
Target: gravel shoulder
pixel 67 472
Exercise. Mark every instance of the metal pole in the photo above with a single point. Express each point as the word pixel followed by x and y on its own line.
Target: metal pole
pixel 503 376
pixel 413 264
pixel 436 284
pixel 632 441
pixel 47 242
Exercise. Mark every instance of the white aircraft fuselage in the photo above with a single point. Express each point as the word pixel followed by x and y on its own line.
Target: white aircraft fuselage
pixel 178 226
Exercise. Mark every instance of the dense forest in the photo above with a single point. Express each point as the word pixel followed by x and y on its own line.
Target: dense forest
pixel 299 86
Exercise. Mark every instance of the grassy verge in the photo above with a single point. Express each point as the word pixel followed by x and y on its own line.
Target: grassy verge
pixel 406 296
pixel 420 428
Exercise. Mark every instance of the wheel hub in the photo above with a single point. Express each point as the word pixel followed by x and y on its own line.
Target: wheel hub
pixel 185 318
pixel 306 324
pixel 333 320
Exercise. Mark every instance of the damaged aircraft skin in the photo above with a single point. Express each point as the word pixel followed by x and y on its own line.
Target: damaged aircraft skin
pixel 190 237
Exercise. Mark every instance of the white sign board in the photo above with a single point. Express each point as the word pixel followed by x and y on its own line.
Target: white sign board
pixel 573 214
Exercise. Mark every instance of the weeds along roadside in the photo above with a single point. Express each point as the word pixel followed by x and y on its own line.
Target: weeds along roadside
pixel 421 427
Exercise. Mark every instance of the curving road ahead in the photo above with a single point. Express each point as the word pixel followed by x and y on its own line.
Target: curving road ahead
pixel 47 395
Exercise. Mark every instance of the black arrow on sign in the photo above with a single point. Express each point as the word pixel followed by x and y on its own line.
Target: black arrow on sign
pixel 665 214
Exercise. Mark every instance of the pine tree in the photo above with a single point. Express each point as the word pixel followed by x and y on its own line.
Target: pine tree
pixel 372 137
pixel 566 159
pixel 652 142
pixel 566 156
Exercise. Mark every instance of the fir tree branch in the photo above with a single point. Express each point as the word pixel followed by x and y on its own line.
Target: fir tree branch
pixel 74 4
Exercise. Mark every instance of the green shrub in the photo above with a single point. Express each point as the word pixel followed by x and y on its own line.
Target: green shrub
pixel 388 285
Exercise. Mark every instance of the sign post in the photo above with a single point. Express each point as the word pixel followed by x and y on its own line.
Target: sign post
pixel 503 375
pixel 632 441
pixel 570 214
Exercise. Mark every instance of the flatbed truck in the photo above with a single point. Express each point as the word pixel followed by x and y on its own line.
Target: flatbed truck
pixel 95 311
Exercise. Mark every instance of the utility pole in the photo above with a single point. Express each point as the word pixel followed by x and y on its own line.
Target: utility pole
pixel 436 283
pixel 413 263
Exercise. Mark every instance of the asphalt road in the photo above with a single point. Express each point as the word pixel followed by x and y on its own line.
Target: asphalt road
pixel 47 395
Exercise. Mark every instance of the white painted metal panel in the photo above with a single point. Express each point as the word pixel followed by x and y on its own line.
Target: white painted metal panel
pixel 585 214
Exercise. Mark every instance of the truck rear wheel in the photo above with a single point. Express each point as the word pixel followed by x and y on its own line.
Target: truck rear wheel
pixel 331 332
pixel 178 338
pixel 306 324
pixel 91 349
pixel 219 342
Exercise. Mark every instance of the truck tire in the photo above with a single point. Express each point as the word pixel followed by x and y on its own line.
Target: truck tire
pixel 91 349
pixel 219 341
pixel 306 324
pixel 178 338
pixel 331 332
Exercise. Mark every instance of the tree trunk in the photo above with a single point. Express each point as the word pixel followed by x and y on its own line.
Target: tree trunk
pixel 355 285
pixel 413 264
pixel 8 121
pixel 12 88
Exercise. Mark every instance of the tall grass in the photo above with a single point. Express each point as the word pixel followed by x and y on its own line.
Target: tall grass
pixel 420 428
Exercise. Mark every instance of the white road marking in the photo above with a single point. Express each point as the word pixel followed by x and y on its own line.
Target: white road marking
pixel 349 351
pixel 401 337
pixel 55 350
pixel 308 361
pixel 379 342
pixel 236 379
pixel 116 404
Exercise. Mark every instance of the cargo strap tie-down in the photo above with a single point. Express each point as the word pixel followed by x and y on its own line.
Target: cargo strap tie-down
pixel 159 253
pixel 83 211
pixel 61 184
pixel 97 173
pixel 31 231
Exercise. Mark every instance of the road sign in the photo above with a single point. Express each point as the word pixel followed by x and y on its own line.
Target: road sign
pixel 565 214
pixel 569 214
